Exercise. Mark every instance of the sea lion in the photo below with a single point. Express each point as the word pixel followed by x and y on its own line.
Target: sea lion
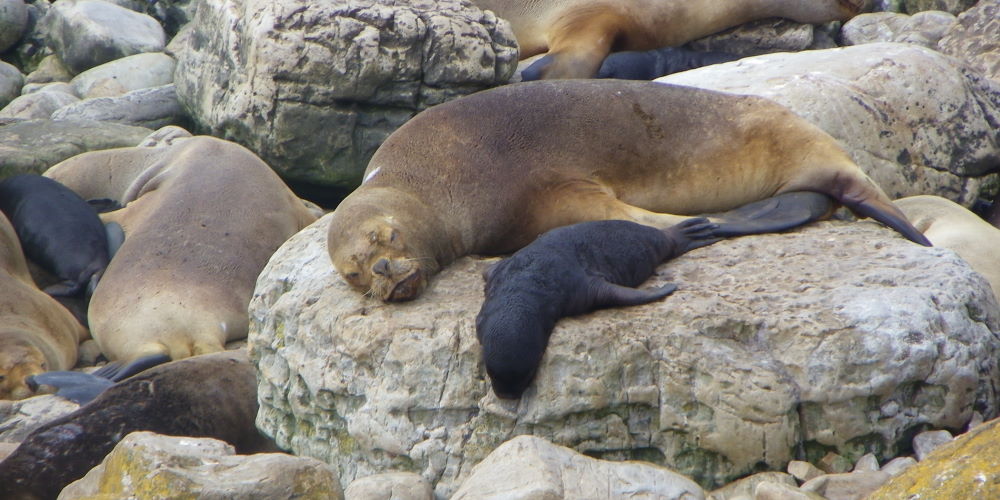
pixel 950 225
pixel 213 395
pixel 58 230
pixel 82 387
pixel 201 218
pixel 568 271
pixel 578 34
pixel 655 63
pixel 36 333
pixel 489 172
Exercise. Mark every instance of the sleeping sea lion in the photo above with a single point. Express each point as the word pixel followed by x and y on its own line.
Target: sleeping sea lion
pixel 36 333
pixel 205 396
pixel 489 172
pixel 652 64
pixel 578 34
pixel 201 218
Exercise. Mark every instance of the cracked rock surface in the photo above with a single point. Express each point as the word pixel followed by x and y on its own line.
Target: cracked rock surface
pixel 315 87
pixel 838 337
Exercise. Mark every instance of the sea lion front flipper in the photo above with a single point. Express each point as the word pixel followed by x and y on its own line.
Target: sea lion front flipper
pixel 607 294
pixel 78 387
pixel 777 213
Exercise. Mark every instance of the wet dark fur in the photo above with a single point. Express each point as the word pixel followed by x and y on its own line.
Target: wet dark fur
pixel 568 271
pixel 213 395
pixel 652 64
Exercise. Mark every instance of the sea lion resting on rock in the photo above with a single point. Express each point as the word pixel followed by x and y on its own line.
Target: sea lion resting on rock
pixel 489 172
pixel 565 272
pixel 205 396
pixel 578 34
pixel 950 225
pixel 36 333
pixel 201 219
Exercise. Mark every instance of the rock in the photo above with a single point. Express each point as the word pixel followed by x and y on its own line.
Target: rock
pixel 953 6
pixel 745 487
pixel 867 463
pixel 780 491
pixel 151 108
pixel 850 486
pixel 141 71
pixel 975 38
pixel 50 69
pixel 544 470
pixel 924 28
pixel 166 136
pixel 977 418
pixel 912 120
pixel 773 344
pixel 832 463
pixel 897 465
pixel 148 465
pixel 13 22
pixel 390 486
pixel 759 37
pixel 963 468
pixel 11 81
pixel 803 471
pixel 30 49
pixel 6 449
pixel 19 418
pixel 88 33
pixel 63 87
pixel 35 145
pixel 37 105
pixel 928 441
pixel 315 87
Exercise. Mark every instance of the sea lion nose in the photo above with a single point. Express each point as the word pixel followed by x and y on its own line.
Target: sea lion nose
pixel 381 267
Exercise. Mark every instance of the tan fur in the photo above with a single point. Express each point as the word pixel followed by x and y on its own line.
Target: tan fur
pixel 580 33
pixel 37 334
pixel 202 218
pixel 489 172
pixel 950 225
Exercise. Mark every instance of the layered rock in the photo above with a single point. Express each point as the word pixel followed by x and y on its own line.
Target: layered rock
pixel 841 336
pixel 315 87
pixel 975 38
pixel 924 28
pixel 912 119
pixel 151 108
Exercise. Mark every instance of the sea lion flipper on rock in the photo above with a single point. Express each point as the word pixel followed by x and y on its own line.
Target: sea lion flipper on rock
pixel 81 387
pixel 607 294
pixel 777 213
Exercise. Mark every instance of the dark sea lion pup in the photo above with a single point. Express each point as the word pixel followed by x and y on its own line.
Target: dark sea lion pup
pixel 652 64
pixel 568 271
pixel 58 230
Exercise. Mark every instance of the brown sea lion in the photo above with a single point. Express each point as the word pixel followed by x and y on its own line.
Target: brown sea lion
pixel 579 34
pixel 950 225
pixel 201 219
pixel 489 172
pixel 37 334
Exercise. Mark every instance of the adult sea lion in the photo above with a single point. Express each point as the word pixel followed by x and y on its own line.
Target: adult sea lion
pixel 36 333
pixel 201 218
pixel 58 230
pixel 568 271
pixel 213 395
pixel 489 172
pixel 578 34
pixel 950 225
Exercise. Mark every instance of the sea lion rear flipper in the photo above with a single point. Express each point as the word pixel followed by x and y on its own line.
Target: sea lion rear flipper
pixel 777 213
pixel 607 294
pixel 78 387
pixel 137 366
pixel 888 215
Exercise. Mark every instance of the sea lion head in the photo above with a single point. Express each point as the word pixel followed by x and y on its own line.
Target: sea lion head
pixel 18 361
pixel 383 248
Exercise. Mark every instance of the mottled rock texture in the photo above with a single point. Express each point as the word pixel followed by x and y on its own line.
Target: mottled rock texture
pixel 32 146
pixel 975 38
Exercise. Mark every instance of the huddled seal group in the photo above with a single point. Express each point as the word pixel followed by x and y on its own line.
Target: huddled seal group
pixel 489 172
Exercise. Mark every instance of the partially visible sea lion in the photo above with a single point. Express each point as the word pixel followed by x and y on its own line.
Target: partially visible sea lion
pixel 652 64
pixel 82 387
pixel 36 333
pixel 201 219
pixel 568 271
pixel 205 396
pixel 950 225
pixel 58 230
pixel 489 172
pixel 578 34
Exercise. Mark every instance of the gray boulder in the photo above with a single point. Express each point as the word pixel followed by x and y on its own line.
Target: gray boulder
pixel 909 116
pixel 390 486
pixel 33 146
pixel 13 22
pixel 953 6
pixel 87 33
pixel 975 38
pixel 19 418
pixel 50 69
pixel 37 105
pixel 761 37
pixel 840 336
pixel 151 108
pixel 11 81
pixel 140 71
pixel 315 87
pixel 924 28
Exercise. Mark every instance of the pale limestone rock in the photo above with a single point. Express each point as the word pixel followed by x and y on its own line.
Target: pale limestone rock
pixel 912 120
pixel 803 471
pixel 32 146
pixel 953 6
pixel 148 465
pixel 37 105
pixel 50 69
pixel 64 87
pixel 924 28
pixel 781 491
pixel 390 486
pixel 546 471
pixel 772 344
pixel 759 37
pixel 975 38
pixel 928 441
pixel 19 418
pixel 747 486
pixel 849 486
pixel 898 465
pixel 11 81
pixel 315 87
pixel 118 77
pixel 88 33
pixel 151 108
pixel 867 463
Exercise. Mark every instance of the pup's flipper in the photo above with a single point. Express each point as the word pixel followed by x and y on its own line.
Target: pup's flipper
pixel 607 294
